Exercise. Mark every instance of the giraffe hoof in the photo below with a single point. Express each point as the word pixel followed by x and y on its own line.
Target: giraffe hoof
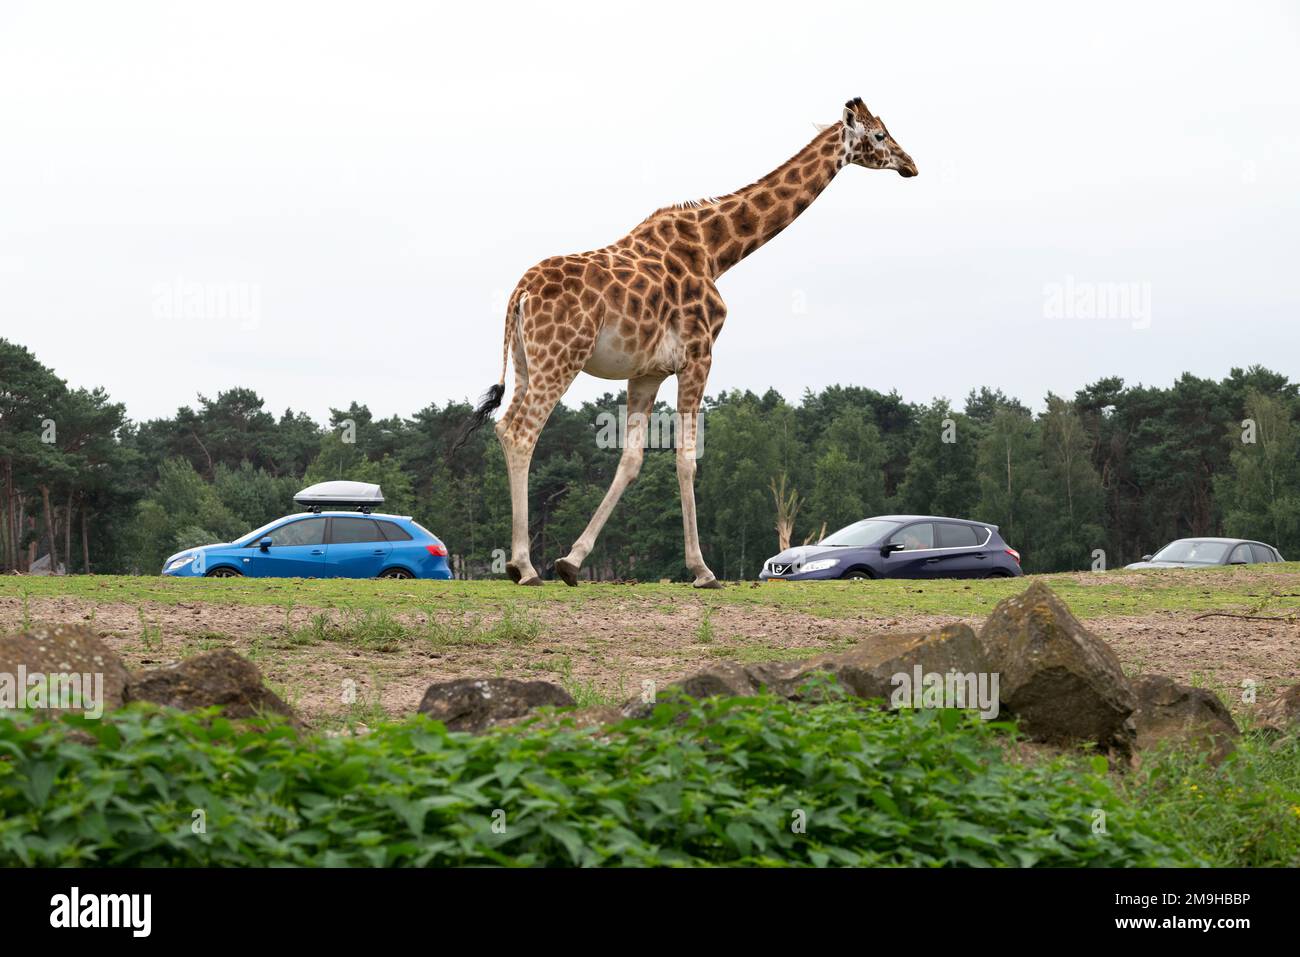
pixel 567 570
pixel 513 571
pixel 531 580
pixel 709 582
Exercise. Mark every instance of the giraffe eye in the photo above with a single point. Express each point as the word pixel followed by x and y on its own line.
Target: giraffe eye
pixel 880 137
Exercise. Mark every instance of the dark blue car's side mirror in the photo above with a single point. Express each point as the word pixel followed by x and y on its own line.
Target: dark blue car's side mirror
pixel 890 548
pixel 264 544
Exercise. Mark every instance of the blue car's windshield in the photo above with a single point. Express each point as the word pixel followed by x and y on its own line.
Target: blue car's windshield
pixel 1192 552
pixel 866 532
pixel 257 533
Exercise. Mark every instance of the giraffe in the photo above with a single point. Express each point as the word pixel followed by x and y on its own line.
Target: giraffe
pixel 647 307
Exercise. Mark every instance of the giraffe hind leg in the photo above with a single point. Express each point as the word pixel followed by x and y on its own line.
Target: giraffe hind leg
pixel 519 572
pixel 518 439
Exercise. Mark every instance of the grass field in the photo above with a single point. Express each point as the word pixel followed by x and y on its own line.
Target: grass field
pixel 1253 588
pixel 390 639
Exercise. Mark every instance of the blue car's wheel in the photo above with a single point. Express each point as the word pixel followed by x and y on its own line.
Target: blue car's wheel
pixel 224 571
pixel 395 573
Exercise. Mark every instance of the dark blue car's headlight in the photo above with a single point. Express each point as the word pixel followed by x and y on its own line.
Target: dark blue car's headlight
pixel 820 565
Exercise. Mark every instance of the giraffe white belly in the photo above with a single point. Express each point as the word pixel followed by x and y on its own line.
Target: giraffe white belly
pixel 611 359
pixel 608 360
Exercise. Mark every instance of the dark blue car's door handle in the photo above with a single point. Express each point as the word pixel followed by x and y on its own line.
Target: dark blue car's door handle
pixel 932 561
pixel 981 557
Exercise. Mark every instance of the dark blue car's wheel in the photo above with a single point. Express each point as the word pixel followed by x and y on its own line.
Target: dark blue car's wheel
pixel 855 573
pixel 224 571
pixel 395 573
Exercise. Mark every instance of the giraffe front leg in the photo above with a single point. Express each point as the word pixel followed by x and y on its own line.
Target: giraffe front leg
pixel 640 401
pixel 690 391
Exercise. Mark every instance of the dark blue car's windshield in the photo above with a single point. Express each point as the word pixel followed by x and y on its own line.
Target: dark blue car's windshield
pixel 858 534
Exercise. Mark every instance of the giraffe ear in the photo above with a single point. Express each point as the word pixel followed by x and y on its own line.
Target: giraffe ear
pixel 854 112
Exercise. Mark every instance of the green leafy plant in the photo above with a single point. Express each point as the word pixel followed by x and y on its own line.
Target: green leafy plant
pixel 745 781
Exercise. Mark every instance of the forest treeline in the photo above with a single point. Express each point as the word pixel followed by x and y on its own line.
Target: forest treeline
pixel 1105 475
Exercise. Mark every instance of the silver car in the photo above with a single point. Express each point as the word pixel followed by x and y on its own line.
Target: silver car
pixel 1200 552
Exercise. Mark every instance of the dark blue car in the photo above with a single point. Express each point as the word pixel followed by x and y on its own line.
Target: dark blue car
pixel 324 544
pixel 900 546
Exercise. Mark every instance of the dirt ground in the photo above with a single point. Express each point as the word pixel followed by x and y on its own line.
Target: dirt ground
pixel 603 654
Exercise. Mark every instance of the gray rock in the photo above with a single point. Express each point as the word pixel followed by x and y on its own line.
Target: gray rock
pixel 473 704
pixel 213 678
pixel 869 668
pixel 1170 713
pixel 46 654
pixel 1281 715
pixel 1062 681
pixel 721 679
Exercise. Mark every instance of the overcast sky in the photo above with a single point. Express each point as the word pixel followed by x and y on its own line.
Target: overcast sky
pixel 370 180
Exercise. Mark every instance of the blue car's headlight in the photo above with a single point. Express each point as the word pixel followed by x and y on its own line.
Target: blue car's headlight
pixel 176 563
pixel 820 565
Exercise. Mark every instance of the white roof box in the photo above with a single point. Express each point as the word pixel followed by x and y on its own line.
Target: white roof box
pixel 340 495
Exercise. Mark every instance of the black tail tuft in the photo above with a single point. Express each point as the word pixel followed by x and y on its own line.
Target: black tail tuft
pixel 486 406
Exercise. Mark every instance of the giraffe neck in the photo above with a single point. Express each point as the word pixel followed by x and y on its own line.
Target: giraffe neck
pixel 740 223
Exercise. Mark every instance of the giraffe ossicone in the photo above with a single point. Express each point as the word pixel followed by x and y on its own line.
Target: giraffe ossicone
pixel 647 307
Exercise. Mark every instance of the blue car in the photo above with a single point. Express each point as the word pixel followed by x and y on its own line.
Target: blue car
pixel 900 546
pixel 323 544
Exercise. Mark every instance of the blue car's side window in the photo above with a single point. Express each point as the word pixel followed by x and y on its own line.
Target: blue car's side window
pixel 394 533
pixel 309 531
pixel 350 531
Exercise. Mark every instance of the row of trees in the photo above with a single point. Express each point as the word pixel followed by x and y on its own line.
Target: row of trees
pixel 1113 472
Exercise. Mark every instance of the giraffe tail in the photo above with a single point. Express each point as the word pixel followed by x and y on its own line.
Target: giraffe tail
pixel 491 399
pixel 487 405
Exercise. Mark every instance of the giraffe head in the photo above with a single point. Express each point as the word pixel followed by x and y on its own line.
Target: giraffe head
pixel 869 144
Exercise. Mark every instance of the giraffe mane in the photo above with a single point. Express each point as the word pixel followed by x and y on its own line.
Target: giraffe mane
pixel 696 203
pixel 714 200
pixel 688 204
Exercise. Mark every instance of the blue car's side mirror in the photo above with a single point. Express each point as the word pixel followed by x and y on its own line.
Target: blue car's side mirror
pixel 264 544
